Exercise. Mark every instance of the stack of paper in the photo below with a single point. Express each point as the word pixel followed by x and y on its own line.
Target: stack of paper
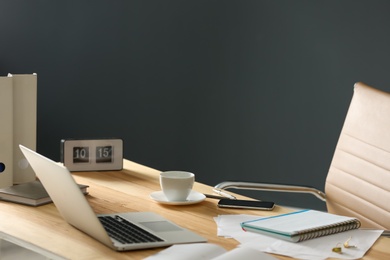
pixel 318 248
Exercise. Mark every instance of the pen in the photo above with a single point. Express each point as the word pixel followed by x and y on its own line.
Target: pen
pixel 224 194
pixel 386 233
pixel 212 196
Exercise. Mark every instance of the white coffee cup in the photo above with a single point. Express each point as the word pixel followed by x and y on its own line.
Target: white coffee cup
pixel 176 185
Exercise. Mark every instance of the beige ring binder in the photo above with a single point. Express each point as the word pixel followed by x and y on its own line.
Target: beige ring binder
pixel 24 123
pixel 18 117
pixel 6 132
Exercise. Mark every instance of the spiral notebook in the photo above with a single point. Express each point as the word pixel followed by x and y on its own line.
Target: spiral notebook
pixel 301 225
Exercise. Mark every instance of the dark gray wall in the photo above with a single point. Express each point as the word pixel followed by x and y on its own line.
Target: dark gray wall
pixel 252 90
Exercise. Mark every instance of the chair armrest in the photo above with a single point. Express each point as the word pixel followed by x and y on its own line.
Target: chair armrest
pixel 242 185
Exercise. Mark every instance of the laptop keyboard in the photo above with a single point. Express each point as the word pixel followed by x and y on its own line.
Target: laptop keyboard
pixel 125 231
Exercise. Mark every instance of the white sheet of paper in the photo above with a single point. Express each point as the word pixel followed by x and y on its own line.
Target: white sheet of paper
pixel 206 251
pixel 322 247
pixel 195 251
pixel 245 253
pixel 229 225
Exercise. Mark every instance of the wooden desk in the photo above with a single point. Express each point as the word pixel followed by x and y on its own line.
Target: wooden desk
pixel 125 191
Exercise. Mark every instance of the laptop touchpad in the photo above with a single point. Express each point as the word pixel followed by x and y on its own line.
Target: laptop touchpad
pixel 160 226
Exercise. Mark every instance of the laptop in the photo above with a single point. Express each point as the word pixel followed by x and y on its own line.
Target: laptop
pixel 146 229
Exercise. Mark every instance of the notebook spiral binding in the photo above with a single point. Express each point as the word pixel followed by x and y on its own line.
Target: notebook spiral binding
pixel 328 230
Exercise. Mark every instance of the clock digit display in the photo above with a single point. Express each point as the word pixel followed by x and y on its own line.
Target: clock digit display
pixel 81 154
pixel 91 154
pixel 104 154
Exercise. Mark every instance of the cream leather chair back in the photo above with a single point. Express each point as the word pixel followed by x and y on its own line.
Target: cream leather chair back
pixel 358 182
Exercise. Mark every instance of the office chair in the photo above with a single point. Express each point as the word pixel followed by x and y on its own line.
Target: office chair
pixel 358 181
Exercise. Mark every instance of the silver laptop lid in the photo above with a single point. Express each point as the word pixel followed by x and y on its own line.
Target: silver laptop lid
pixel 66 195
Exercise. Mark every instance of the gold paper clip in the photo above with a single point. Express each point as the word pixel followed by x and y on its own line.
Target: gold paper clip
pixel 337 249
pixel 347 245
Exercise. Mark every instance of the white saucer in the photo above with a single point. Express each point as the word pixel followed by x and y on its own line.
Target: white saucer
pixel 194 197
